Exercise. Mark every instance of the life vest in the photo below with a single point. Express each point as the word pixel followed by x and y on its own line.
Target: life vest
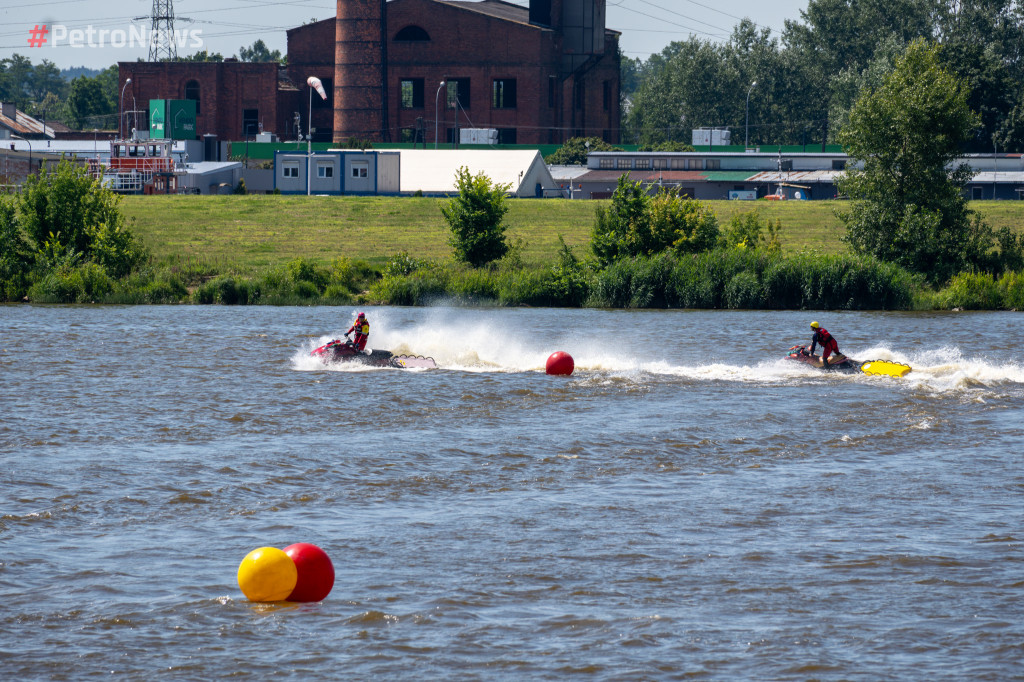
pixel 362 328
pixel 822 337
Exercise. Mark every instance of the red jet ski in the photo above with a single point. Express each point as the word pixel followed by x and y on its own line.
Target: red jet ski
pixel 837 362
pixel 341 350
pixel 841 363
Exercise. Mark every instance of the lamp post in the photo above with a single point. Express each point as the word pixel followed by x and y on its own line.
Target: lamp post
pixel 435 112
pixel 995 166
pixel 746 140
pixel 29 143
pixel 120 109
pixel 314 84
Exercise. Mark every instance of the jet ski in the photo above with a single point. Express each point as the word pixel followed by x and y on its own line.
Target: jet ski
pixel 836 363
pixel 840 363
pixel 342 350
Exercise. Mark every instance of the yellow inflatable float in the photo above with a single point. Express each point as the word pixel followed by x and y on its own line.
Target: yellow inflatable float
pixel 885 368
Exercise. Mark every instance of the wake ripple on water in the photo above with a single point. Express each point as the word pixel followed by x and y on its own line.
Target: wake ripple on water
pixel 489 347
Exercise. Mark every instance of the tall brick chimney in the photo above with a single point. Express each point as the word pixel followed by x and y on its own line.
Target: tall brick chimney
pixel 359 70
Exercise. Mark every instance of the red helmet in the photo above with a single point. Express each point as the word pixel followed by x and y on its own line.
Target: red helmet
pixel 361 315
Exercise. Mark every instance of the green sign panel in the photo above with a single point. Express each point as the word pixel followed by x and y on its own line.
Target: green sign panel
pixel 173 119
pixel 157 118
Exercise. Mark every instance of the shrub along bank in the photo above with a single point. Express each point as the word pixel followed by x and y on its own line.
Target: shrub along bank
pixel 714 280
pixel 721 278
pixel 666 254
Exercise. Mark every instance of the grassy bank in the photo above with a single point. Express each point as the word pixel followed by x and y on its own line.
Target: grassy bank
pixel 257 231
pixel 296 250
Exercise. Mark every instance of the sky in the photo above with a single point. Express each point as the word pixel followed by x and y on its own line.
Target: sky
pixel 224 26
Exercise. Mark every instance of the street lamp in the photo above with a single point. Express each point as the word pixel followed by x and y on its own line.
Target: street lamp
pixel 314 84
pixel 29 143
pixel 746 140
pixel 120 109
pixel 995 165
pixel 435 112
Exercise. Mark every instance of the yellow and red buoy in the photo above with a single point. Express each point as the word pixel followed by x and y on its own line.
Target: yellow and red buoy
pixel 300 572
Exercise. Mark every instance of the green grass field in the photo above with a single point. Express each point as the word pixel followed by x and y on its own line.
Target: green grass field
pixel 255 231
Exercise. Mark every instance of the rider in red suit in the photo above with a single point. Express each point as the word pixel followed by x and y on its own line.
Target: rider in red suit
pixel 362 329
pixel 828 343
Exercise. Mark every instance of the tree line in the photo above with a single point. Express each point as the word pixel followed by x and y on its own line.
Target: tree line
pixel 808 79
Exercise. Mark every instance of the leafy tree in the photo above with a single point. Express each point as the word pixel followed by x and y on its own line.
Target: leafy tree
pixel 202 56
pixel 908 206
pixel 46 79
pixel 109 79
pixel 848 84
pixel 685 225
pixel 259 52
pixel 669 146
pixel 569 283
pixel 844 33
pixel 623 228
pixel 68 216
pixel 16 76
pixel 981 42
pixel 88 103
pixel 749 231
pixel 476 218
pixel 73 72
pixel 812 74
pixel 1010 134
pixel 52 108
pixel 636 224
pixel 573 151
pixel 690 85
pixel 630 74
pixel 32 88
pixel 15 256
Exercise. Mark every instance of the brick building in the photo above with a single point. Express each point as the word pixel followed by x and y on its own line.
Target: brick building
pixel 232 98
pixel 537 74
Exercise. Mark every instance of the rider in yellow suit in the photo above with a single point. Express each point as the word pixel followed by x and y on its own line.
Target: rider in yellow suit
pixel 362 330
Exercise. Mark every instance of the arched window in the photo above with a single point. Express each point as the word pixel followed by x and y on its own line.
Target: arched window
pixel 412 34
pixel 192 92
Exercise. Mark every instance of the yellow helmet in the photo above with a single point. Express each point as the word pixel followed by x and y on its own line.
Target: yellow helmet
pixel 814 325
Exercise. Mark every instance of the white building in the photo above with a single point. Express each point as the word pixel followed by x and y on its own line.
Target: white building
pixel 432 171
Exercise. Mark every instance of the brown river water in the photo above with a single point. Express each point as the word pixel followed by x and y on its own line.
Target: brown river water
pixel 688 504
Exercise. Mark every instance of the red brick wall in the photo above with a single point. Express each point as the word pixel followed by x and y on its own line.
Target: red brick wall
pixel 466 44
pixel 226 89
pixel 312 44
pixel 310 53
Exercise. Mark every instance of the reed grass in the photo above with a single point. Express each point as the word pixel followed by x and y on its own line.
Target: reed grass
pixel 745 279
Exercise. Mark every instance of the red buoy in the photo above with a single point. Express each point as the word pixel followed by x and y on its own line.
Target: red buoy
pixel 560 363
pixel 316 572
